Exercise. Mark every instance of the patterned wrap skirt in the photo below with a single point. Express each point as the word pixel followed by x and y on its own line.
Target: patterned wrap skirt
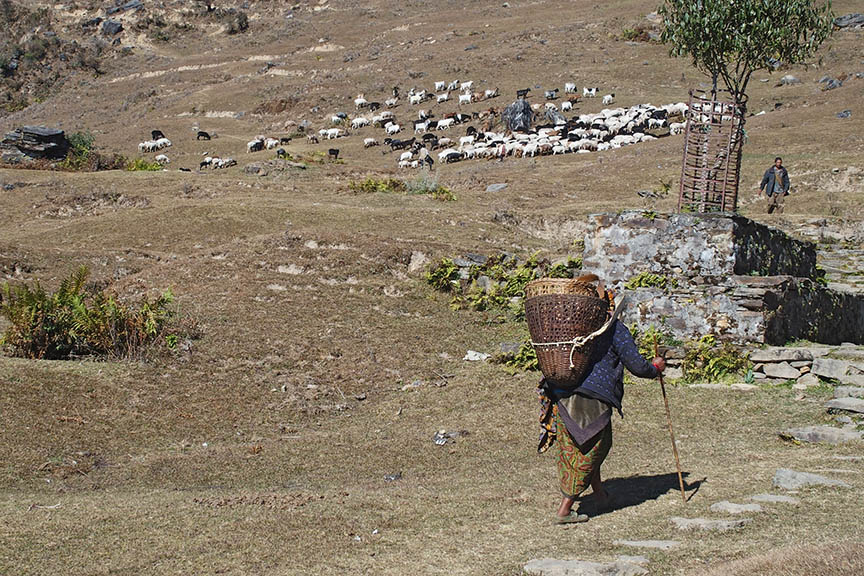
pixel 578 464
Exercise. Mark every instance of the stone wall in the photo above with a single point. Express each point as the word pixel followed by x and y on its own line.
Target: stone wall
pixel 726 276
pixel 700 249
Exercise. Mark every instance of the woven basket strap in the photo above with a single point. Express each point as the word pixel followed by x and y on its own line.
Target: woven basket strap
pixel 580 341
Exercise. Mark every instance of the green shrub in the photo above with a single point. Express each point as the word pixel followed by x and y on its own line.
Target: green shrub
pixel 524 360
pixel 143 165
pixel 708 361
pixel 645 339
pixel 373 185
pixel 443 276
pixel 649 280
pixel 428 184
pixel 81 320
pixel 80 148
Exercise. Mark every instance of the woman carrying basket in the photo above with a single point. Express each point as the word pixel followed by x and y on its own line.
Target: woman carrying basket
pixel 580 416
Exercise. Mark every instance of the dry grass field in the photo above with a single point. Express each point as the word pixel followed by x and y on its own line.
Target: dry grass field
pixel 266 448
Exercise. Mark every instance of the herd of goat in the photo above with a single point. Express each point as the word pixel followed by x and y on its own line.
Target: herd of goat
pixel 608 129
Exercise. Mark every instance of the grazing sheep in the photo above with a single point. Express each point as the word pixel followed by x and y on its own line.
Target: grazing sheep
pixel 392 128
pixel 569 87
pixel 271 143
pixel 676 127
pixel 254 146
pixel 446 123
pixel 589 92
pixel 406 156
pixel 445 142
pixel 162 159
pixel 312 138
pixel 442 97
pixel 566 106
pixel 147 146
pixel 466 86
pixel 391 102
pixel 369 142
pixel 202 135
pixel 360 102
pixel 359 122
pixel 440 86
pixel 156 134
pixel 421 126
pixel 465 140
pixel 608 99
pixel 334 133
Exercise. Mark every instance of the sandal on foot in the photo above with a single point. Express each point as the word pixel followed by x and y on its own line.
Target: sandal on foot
pixel 571 518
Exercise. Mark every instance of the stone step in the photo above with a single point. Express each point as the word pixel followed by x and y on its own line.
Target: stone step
pixel 553 567
pixel 654 544
pixel 794 480
pixel 823 434
pixel 775 499
pixel 726 507
pixel 708 525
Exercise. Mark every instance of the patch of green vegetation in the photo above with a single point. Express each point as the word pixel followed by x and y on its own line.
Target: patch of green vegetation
pixel 373 185
pixel 523 360
pixel 708 361
pixel 143 165
pixel 81 320
pixel 649 280
pixel 428 184
pixel 498 284
pixel 80 148
pixel 645 339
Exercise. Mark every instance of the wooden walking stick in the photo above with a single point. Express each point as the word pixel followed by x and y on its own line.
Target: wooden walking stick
pixel 671 431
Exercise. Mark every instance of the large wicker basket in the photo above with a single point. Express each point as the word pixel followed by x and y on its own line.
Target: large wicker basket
pixel 559 310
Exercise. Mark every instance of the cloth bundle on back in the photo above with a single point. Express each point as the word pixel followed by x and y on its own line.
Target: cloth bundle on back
pixel 582 349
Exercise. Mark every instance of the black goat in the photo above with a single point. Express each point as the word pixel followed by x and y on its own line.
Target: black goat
pixel 284 140
pixel 373 106
pixel 521 94
pixel 400 144
pixel 281 153
pixel 156 134
pixel 202 135
pixel 333 153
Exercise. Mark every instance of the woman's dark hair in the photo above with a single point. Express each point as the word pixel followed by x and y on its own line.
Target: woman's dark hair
pixel 778 158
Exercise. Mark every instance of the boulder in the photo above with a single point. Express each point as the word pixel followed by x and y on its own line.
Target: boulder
pixel 848 392
pixel 822 434
pixel 780 354
pixel 793 480
pixel 418 262
pixel 500 187
pixel 830 368
pixel 111 27
pixel 806 381
pixel 782 370
pixel 708 525
pixel 553 567
pixel 775 499
pixel 847 404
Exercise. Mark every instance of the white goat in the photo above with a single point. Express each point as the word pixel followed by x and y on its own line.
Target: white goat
pixel 442 97
pixel 360 102
pixel 440 86
pixel 359 122
pixel 465 98
pixel 392 128
pixel 369 142
pixel 569 87
pixel 608 99
pixel 162 159
pixel 589 92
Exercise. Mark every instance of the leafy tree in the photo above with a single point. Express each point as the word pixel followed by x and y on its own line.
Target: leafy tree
pixel 731 39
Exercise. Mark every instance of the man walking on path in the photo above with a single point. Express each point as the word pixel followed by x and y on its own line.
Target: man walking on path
pixel 775 183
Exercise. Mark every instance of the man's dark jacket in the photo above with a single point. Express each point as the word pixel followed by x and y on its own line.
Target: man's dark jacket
pixel 768 181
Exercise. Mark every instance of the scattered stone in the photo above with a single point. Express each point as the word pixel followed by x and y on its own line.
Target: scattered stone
pixel 792 480
pixel 639 560
pixel 844 114
pixel 775 499
pixel 741 387
pixel 850 21
pixel 789 80
pixel 759 376
pixel 783 370
pixel 255 168
pixel 708 525
pixel 474 356
pixel 727 507
pixel 291 269
pixel 418 262
pixel 485 283
pixel 848 392
pixel 833 83
pixel 822 434
pixel 655 544
pixel 552 567
pixel 847 404
pixel 393 477
pixel 806 381
pixel 111 27
pixel 801 364
pixel 830 368
pixel 844 420
pixel 500 187
pixel 360 397
pixel 478 259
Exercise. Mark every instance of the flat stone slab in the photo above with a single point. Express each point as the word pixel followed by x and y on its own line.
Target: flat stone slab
pixel 781 355
pixel 741 387
pixel 849 392
pixel 775 499
pixel 552 567
pixel 653 544
pixel 708 525
pixel 806 381
pixel 782 370
pixel 726 507
pixel 830 368
pixel 823 434
pixel 847 404
pixel 792 480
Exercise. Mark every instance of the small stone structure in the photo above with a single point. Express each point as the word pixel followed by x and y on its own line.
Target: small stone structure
pixel 724 275
pixel 33 142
